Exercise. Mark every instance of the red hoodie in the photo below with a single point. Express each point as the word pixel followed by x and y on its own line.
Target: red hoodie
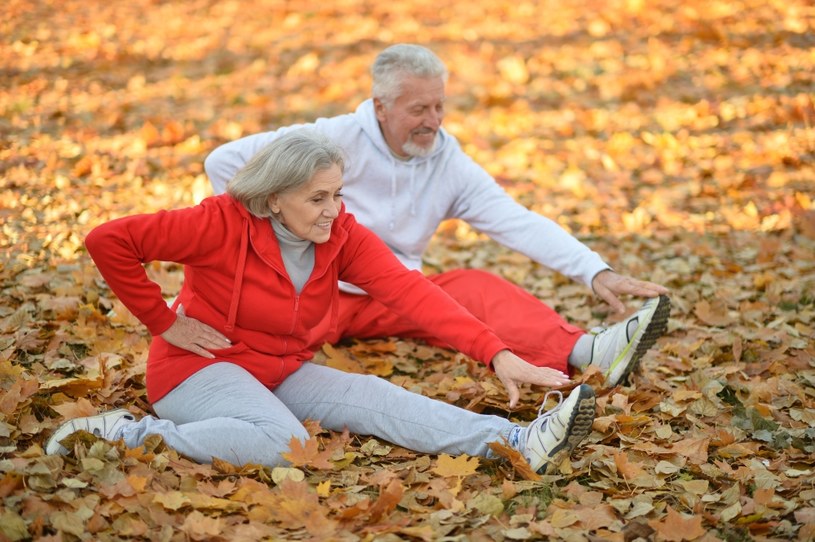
pixel 235 281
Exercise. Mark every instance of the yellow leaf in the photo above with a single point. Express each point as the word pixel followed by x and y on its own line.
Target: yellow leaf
pixel 137 482
pixel 337 359
pixel 172 500
pixel 284 473
pixel 462 465
pixel 324 488
pixel 563 518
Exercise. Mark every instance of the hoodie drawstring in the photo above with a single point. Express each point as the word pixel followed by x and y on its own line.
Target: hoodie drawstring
pixel 391 224
pixel 412 194
pixel 236 287
pixel 412 182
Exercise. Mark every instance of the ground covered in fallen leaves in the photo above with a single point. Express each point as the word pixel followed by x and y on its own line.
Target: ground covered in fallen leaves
pixel 675 138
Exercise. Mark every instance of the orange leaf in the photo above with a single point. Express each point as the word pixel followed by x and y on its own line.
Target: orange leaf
pixel 150 134
pixel 337 359
pixel 676 527
pixel 389 497
pixel 627 469
pixel 308 455
pixel 521 466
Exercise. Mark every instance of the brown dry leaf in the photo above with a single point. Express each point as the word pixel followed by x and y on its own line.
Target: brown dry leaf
pixel 627 468
pixel 695 449
pixel 714 314
pixel 389 497
pixel 76 409
pixel 299 507
pixel 676 527
pixel 596 517
pixel 19 392
pixel 519 464
pixel 197 526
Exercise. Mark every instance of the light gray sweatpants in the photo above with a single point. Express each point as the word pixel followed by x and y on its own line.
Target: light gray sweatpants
pixel 223 411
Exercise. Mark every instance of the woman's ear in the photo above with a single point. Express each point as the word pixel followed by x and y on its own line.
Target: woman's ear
pixel 274 203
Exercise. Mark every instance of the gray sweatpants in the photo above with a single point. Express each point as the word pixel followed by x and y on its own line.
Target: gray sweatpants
pixel 223 411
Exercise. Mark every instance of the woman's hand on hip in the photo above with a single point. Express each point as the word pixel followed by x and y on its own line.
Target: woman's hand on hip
pixel 512 370
pixel 195 336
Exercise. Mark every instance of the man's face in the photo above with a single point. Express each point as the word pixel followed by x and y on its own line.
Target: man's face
pixel 411 123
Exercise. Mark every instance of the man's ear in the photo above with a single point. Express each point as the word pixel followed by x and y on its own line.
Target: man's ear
pixel 379 109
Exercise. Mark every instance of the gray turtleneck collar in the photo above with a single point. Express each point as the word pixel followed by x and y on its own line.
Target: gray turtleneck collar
pixel 298 255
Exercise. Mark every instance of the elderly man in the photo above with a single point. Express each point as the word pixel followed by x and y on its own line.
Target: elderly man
pixel 406 174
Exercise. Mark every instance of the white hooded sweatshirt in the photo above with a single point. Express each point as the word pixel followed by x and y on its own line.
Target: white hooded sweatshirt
pixel 404 201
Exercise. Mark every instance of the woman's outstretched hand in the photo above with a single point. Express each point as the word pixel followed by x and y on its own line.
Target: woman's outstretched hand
pixel 512 370
pixel 195 336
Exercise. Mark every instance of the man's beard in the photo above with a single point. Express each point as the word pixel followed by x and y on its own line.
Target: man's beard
pixel 412 149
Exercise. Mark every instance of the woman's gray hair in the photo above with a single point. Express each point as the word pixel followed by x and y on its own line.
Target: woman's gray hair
pixel 286 163
pixel 399 61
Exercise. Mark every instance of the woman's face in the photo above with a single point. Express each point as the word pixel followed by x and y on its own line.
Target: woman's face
pixel 309 211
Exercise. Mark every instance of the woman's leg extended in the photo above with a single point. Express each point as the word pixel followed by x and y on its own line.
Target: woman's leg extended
pixel 369 405
pixel 221 411
pixel 532 329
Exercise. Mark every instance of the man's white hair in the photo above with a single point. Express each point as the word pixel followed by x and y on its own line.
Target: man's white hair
pixel 399 61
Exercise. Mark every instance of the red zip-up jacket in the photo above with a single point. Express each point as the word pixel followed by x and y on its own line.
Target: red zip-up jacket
pixel 235 281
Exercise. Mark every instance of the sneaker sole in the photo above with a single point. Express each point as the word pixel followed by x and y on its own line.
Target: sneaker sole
pixel 579 428
pixel 655 329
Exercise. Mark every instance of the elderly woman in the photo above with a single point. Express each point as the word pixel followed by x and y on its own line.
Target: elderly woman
pixel 229 375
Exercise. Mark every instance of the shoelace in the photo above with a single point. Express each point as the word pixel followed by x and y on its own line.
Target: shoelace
pixel 548 413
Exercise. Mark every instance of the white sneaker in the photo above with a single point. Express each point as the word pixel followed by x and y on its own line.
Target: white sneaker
pixel 617 352
pixel 106 425
pixel 554 434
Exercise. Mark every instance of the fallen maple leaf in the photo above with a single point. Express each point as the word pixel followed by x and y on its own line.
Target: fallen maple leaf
pixel 676 527
pixel 389 497
pixel 462 465
pixel 308 455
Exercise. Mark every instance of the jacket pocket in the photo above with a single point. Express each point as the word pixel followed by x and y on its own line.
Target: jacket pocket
pixel 226 353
